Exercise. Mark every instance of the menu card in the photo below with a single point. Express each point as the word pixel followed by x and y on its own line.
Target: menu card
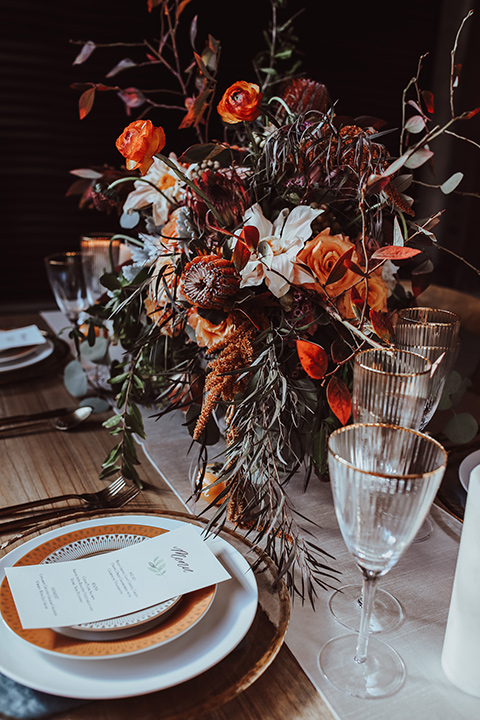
pixel 115 583
pixel 21 337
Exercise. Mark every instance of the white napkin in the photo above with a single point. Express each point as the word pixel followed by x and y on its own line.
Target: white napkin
pixel 461 649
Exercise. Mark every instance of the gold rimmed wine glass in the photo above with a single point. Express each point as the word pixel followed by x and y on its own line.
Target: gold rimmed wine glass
pixel 389 386
pixel 433 333
pixel 381 499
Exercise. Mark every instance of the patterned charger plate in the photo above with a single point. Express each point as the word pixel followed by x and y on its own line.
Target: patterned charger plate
pixel 85 641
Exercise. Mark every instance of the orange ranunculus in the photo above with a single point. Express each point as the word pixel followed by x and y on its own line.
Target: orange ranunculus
pixel 320 254
pixel 138 144
pixel 377 295
pixel 242 101
pixel 207 334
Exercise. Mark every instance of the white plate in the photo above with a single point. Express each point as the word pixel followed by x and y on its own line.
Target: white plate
pixel 7 356
pixel 209 641
pixel 466 467
pixel 40 353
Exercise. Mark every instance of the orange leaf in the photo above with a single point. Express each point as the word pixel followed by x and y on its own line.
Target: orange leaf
pixel 313 359
pixel 85 102
pixel 382 325
pixel 395 252
pixel 339 399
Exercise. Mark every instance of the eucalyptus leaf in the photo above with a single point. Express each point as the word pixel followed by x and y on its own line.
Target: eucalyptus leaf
pixel 461 428
pixel 453 383
pixel 95 353
pixel 75 379
pixel 99 405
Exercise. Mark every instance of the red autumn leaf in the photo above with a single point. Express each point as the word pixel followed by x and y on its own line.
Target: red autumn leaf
pixel 339 399
pixel 470 114
pixel 241 255
pixel 85 102
pixel 355 297
pixel 394 252
pixel 377 183
pixel 382 325
pixel 339 269
pixel 313 359
pixel 340 351
pixel 251 236
pixel 422 276
pixel 428 100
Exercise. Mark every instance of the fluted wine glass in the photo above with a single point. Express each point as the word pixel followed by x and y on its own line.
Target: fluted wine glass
pixel 389 386
pixel 433 333
pixel 381 499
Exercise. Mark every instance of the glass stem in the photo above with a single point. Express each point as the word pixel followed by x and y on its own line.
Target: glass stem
pixel 369 589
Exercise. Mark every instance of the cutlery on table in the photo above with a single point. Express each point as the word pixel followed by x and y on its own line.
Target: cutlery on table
pixel 64 418
pixel 117 494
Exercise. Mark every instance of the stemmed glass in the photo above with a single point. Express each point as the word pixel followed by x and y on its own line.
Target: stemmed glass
pixel 381 499
pixel 389 386
pixel 100 254
pixel 66 277
pixel 433 333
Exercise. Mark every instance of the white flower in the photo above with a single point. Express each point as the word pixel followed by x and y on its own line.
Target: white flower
pixel 163 178
pixel 279 244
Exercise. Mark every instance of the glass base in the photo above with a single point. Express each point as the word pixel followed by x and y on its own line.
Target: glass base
pixel 382 674
pixel 425 531
pixel 346 604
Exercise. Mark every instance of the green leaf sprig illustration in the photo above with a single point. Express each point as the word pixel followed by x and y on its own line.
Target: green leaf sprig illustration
pixel 157 566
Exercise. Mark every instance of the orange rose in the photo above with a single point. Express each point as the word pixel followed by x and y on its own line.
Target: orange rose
pixel 242 101
pixel 207 334
pixel 138 144
pixel 320 254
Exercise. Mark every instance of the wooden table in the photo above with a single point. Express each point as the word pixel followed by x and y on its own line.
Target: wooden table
pixel 47 462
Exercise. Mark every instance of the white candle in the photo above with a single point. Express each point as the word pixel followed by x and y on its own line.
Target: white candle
pixel 461 649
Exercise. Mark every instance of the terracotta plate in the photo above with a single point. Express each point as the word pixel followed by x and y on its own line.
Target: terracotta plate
pixel 188 611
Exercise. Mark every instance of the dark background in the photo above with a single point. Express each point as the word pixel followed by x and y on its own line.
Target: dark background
pixel 364 52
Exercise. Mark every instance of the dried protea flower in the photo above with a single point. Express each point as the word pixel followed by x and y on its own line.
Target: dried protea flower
pixel 210 281
pixel 355 151
pixel 225 191
pixel 302 95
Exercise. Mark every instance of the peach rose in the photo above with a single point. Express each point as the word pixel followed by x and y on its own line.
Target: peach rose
pixel 320 254
pixel 138 144
pixel 207 334
pixel 241 101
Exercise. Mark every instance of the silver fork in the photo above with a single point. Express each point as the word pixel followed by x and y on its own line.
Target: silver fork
pixel 116 495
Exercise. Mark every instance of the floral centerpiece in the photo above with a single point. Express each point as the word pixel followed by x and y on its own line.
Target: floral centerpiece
pixel 260 265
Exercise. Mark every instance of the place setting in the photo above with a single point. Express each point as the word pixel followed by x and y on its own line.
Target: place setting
pixel 163 640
